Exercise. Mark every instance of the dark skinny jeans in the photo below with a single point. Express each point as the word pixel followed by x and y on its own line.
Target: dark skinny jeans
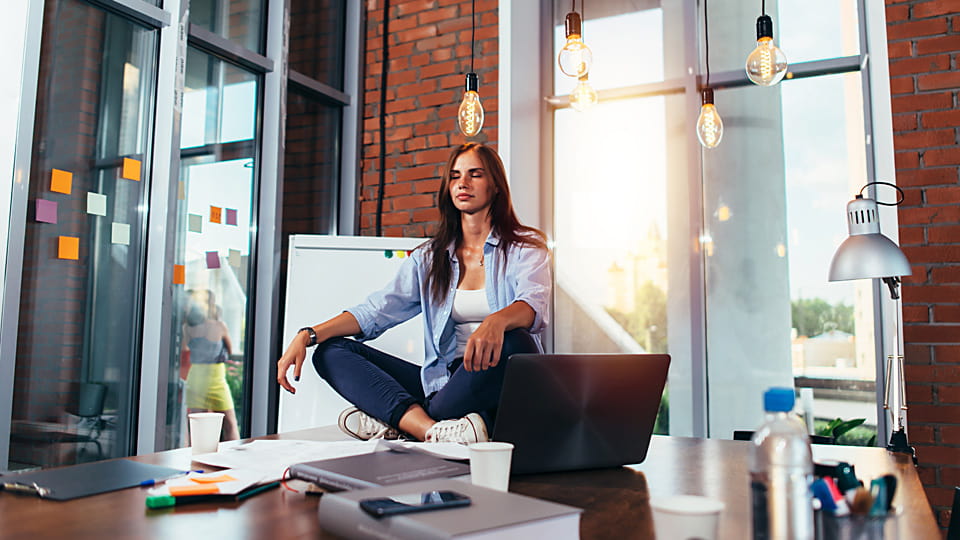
pixel 385 386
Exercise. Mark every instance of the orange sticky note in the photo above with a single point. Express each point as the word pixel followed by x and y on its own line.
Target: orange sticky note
pixel 61 181
pixel 215 214
pixel 68 248
pixel 196 489
pixel 179 274
pixel 131 169
pixel 213 479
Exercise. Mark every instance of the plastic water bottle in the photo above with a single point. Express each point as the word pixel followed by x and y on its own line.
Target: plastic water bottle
pixel 781 470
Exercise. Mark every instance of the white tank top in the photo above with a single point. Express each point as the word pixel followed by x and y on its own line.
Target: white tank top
pixel 470 307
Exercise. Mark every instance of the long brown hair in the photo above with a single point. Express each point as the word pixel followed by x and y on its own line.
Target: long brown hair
pixel 502 217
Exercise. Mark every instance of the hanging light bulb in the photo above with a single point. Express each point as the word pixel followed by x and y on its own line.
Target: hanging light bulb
pixel 767 64
pixel 470 115
pixel 583 97
pixel 709 124
pixel 575 57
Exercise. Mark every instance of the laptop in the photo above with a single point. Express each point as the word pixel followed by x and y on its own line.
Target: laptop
pixel 567 412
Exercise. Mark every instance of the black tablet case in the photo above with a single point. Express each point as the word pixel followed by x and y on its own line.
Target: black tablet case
pixel 67 483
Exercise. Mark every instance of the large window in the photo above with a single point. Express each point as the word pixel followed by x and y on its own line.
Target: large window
pixel 218 164
pixel 81 296
pixel 718 257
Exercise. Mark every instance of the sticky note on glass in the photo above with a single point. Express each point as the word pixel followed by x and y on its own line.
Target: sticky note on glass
pixel 68 247
pixel 194 223
pixel 61 181
pixel 179 274
pixel 216 214
pixel 121 234
pixel 46 211
pixel 96 204
pixel 231 216
pixel 131 169
pixel 234 258
pixel 213 260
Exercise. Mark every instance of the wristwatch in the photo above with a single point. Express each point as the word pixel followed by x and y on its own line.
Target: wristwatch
pixel 311 334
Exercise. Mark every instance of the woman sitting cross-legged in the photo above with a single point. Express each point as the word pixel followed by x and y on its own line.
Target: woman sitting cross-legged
pixel 482 284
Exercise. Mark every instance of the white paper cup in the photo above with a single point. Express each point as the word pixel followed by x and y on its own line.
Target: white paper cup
pixel 490 464
pixel 205 431
pixel 686 516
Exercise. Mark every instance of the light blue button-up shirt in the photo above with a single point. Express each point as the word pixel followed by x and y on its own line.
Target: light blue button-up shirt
pixel 522 275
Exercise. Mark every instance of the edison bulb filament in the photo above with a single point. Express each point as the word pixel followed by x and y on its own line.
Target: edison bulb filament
pixel 767 64
pixel 709 126
pixel 470 114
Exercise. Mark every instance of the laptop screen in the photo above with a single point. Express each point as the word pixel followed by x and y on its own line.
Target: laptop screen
pixel 579 411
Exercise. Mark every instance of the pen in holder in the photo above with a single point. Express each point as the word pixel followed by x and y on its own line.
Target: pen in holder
pixel 829 526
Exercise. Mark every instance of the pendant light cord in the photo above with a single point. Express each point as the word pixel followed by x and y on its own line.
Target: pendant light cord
pixel 763 7
pixel 383 116
pixel 706 39
pixel 473 31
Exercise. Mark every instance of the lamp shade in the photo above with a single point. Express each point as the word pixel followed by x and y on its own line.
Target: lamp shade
pixel 866 253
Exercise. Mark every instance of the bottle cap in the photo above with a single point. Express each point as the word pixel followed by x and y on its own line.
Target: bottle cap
pixel 778 399
pixel 846 477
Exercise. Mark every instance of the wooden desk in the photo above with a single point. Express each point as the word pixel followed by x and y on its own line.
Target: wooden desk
pixel 616 500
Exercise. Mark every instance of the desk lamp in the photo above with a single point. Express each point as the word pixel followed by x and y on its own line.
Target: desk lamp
pixel 868 254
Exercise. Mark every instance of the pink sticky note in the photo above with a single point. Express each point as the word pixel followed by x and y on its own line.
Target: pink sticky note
pixel 231 216
pixel 213 259
pixel 46 211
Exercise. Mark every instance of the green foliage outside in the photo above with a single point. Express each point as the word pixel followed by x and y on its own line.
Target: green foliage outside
pixel 647 323
pixel 814 316
pixel 847 432
pixel 662 425
pixel 235 383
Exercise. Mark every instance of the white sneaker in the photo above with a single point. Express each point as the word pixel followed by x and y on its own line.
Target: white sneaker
pixel 361 425
pixel 469 429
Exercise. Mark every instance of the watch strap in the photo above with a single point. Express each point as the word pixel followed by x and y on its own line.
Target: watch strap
pixel 311 334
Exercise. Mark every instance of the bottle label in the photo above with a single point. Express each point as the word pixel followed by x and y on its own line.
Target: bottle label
pixel 761 520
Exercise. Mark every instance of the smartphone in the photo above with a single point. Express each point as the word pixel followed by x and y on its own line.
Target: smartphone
pixel 413 502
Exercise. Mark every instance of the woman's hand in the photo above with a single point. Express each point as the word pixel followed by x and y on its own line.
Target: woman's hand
pixel 484 345
pixel 486 342
pixel 295 355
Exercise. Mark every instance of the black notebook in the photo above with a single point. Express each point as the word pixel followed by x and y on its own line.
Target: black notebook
pixel 376 469
pixel 67 483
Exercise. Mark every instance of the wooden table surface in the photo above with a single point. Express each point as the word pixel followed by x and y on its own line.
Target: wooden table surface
pixel 616 501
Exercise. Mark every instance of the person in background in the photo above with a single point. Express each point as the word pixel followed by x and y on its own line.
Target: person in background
pixel 206 338
pixel 483 286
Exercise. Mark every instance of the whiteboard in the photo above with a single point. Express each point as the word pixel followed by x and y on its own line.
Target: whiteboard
pixel 325 275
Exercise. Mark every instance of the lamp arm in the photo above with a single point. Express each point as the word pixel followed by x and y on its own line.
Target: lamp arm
pixel 893 283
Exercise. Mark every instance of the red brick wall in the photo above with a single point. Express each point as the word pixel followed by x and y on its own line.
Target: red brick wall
pixel 429 53
pixel 924 49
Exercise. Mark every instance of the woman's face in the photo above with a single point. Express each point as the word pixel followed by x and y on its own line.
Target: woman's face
pixel 471 188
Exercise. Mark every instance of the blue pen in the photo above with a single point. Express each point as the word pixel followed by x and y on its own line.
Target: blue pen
pixel 155 481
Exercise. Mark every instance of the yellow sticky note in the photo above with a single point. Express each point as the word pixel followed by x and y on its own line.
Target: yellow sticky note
pixel 179 274
pixel 61 181
pixel 215 214
pixel 131 169
pixel 69 248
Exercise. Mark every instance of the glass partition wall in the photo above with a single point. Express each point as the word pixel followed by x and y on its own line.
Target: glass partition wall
pixel 159 135
pixel 717 256
pixel 74 391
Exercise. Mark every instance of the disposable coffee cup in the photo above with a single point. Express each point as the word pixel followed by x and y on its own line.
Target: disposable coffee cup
pixel 490 464
pixel 686 516
pixel 205 431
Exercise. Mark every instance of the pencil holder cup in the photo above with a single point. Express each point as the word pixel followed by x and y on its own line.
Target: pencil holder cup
pixel 831 527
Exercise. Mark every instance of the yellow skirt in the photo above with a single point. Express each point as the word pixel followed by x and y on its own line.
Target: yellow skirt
pixel 207 387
